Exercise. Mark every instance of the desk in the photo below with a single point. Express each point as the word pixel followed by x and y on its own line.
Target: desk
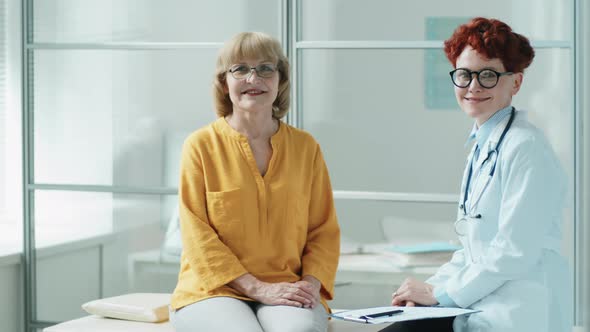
pixel 377 266
pixel 361 280
pixel 368 280
pixel 152 272
pixel 100 324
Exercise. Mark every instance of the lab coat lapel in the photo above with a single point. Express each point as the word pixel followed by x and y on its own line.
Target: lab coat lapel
pixel 481 172
pixel 466 173
pixel 490 144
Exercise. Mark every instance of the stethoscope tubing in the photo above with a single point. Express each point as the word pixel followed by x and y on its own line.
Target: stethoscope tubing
pixel 496 150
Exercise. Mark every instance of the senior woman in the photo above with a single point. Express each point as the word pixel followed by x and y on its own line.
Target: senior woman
pixel 509 216
pixel 259 230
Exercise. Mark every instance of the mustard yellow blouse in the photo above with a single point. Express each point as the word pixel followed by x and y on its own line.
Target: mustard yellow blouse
pixel 278 227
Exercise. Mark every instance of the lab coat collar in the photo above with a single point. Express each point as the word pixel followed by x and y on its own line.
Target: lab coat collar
pixel 482 133
pixel 492 142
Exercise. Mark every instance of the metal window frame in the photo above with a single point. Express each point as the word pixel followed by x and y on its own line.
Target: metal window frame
pixel 29 266
pixel 581 73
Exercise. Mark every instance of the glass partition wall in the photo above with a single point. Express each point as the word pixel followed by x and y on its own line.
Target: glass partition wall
pixel 112 88
pixel 373 88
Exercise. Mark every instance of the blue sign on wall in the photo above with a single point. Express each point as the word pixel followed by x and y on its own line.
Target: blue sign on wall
pixel 439 93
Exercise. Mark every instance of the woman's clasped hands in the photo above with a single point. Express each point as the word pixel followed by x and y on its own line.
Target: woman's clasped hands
pixel 302 294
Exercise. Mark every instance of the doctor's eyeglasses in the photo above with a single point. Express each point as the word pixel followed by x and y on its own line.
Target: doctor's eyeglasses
pixel 487 78
pixel 242 71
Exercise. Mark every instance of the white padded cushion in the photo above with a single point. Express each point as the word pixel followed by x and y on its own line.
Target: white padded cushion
pixel 101 324
pixel 141 307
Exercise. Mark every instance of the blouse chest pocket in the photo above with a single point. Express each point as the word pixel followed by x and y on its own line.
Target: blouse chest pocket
pixel 224 209
pixel 291 211
pixel 299 213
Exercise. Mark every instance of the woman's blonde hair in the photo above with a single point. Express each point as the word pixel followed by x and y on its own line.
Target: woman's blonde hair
pixel 251 45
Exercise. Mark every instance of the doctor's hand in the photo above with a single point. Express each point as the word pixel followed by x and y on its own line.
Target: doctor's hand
pixel 280 293
pixel 413 292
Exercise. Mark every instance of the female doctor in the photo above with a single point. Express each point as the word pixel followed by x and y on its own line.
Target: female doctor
pixel 510 210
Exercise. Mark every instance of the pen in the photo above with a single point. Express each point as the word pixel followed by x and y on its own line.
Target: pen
pixel 381 314
pixel 354 319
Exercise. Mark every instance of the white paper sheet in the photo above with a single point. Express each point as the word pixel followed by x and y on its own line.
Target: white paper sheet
pixel 409 313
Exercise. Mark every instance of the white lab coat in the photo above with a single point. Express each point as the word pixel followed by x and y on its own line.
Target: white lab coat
pixel 510 266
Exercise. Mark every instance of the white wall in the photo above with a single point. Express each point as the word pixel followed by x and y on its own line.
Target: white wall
pixel 11 288
pixel 11 277
pixel 10 128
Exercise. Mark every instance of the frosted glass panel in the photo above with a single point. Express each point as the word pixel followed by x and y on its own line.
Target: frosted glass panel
pixel 367 109
pixel 63 216
pixel 407 20
pixel 70 216
pixel 151 20
pixel 118 117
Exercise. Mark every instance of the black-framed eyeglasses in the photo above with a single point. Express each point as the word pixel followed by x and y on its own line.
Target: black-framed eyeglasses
pixel 264 70
pixel 487 78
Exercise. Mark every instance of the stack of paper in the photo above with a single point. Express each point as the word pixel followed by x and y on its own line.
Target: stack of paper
pixel 348 247
pixel 420 254
pixel 380 315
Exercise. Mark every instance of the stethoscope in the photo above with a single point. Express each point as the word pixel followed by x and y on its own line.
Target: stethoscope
pixel 461 223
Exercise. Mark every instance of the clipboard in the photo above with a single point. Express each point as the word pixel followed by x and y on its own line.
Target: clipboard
pixel 381 315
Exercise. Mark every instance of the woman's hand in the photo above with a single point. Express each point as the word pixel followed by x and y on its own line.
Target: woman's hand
pixel 298 294
pixel 413 292
pixel 314 286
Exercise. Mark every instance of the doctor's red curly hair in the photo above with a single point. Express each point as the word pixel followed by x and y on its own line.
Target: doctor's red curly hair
pixel 492 39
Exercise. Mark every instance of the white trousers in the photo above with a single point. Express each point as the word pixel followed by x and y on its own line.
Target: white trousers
pixel 229 314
